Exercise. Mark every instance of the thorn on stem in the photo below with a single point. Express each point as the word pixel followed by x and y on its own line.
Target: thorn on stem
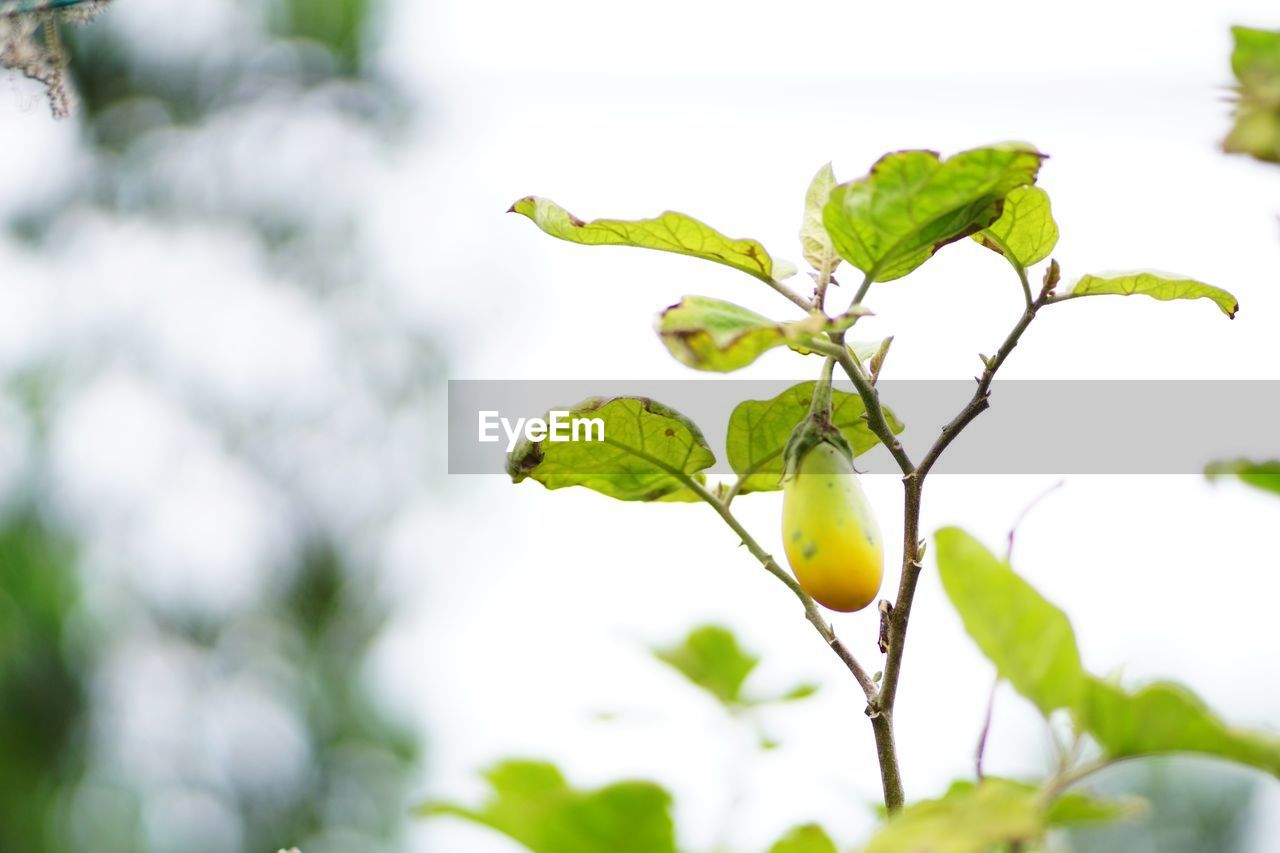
pixel 886 610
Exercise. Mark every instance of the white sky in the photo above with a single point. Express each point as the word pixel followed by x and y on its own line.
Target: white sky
pixel 526 612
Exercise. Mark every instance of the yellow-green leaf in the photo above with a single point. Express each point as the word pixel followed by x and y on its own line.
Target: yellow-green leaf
pixel 532 804
pixel 759 429
pixel 1169 718
pixel 711 657
pixel 1077 808
pixel 809 838
pixel 1260 475
pixel 1029 640
pixel 1256 63
pixel 669 232
pixel 912 203
pixel 969 818
pixel 1025 233
pixel 711 334
pixel 648 452
pixel 976 817
pixel 814 239
pixel 1155 285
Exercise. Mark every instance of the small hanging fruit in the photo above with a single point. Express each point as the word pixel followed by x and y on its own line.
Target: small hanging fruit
pixel 829 532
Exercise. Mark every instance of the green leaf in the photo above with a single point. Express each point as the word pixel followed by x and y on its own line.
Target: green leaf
pixel 976 817
pixel 1025 233
pixel 1156 286
pixel 711 334
pixel 969 818
pixel 1168 718
pixel 1077 808
pixel 800 691
pixel 1028 639
pixel 1260 475
pixel 759 429
pixel 1256 63
pixel 913 203
pixel 648 453
pixel 809 838
pixel 711 658
pixel 1255 50
pixel 669 232
pixel 531 803
pixel 814 239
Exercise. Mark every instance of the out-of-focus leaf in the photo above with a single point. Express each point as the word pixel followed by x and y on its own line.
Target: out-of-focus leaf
pixel 711 334
pixel 647 452
pixel 1032 645
pixel 1169 718
pixel 800 691
pixel 913 203
pixel 339 25
pixel 1256 63
pixel 809 838
pixel 1028 639
pixel 532 804
pixel 814 239
pixel 711 657
pixel 1260 475
pixel 975 817
pixel 969 818
pixel 1025 233
pixel 45 679
pixel 1255 50
pixel 1155 285
pixel 1077 808
pixel 669 232
pixel 759 429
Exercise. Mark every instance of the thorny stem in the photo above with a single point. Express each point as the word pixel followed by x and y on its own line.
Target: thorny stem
pixel 880 701
pixel 876 420
pixel 881 704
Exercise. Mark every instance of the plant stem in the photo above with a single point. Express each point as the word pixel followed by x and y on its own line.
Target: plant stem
pixel 876 420
pixel 1022 277
pixel 805 304
pixel 881 707
pixel 880 702
pixel 981 752
pixel 811 611
pixel 980 400
pixel 1062 781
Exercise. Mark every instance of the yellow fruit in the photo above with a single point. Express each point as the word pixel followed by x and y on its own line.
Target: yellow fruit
pixel 829 532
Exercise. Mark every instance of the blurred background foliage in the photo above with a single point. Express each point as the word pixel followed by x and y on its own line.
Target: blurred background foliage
pixel 1255 61
pixel 134 715
pixel 137 717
